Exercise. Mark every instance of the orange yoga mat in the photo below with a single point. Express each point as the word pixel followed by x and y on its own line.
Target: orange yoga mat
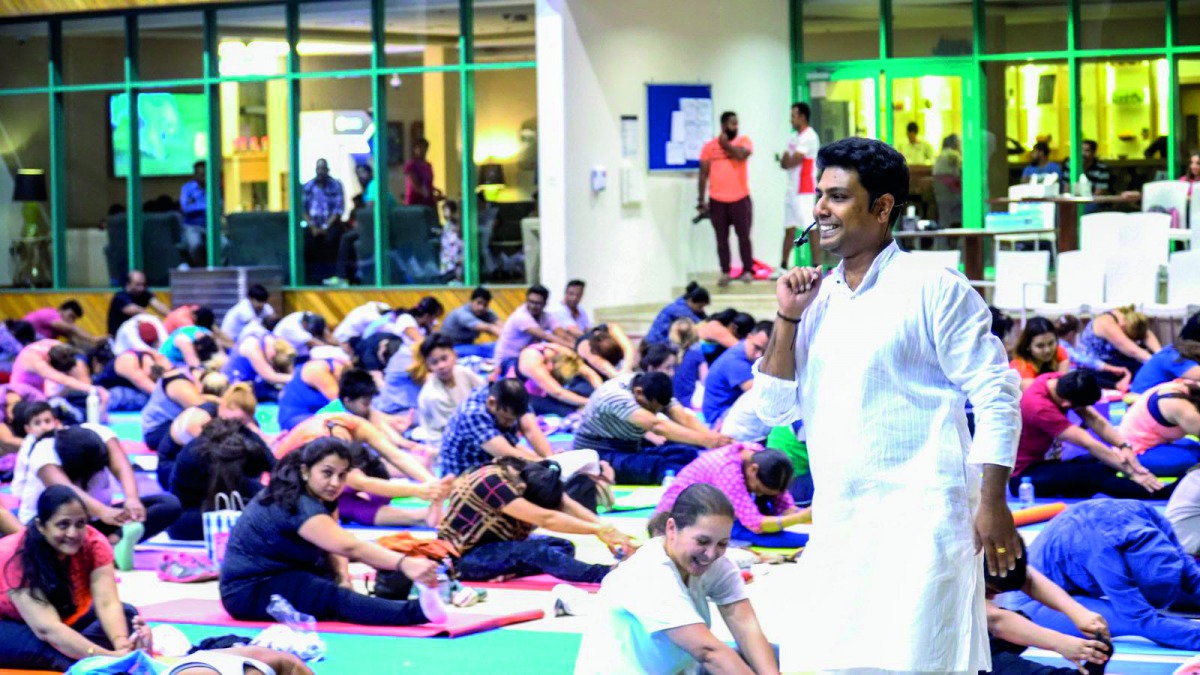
pixel 1038 514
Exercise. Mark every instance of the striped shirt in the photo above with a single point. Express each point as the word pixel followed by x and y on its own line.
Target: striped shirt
pixel 475 513
pixel 608 412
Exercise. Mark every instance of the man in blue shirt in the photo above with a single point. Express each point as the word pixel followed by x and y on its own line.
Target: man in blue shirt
pixel 324 204
pixel 193 201
pixel 731 375
pixel 1040 164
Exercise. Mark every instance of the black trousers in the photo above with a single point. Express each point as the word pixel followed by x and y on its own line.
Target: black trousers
pixel 322 598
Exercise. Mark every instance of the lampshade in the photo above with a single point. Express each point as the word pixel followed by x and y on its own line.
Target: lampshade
pixel 491 174
pixel 30 186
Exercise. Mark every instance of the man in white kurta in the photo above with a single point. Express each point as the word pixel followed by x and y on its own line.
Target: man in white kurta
pixel 879 359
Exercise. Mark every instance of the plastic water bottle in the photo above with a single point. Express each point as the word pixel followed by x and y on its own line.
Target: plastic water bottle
pixel 668 478
pixel 93 406
pixel 1025 492
pixel 1116 412
pixel 1084 186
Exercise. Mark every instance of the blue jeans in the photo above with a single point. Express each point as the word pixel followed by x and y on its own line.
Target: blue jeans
pixel 485 350
pixel 644 465
pixel 1171 459
pixel 126 399
pixel 535 555
pixel 802 489
pixel 23 649
pixel 769 540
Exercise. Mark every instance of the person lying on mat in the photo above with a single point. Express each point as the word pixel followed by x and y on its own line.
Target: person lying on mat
pixel 88 459
pixel 58 590
pixel 307 559
pixel 656 604
pixel 130 376
pixel 369 489
pixel 754 480
pixel 177 391
pixel 237 403
pixel 624 410
pixel 1161 427
pixel 1180 359
pixel 1119 558
pixel 493 510
pixel 1112 468
pixel 312 386
pixel 356 393
pixel 447 386
pixel 557 379
pixel 226 458
pixel 264 361
pixel 1010 633
pixel 1038 352
pixel 488 425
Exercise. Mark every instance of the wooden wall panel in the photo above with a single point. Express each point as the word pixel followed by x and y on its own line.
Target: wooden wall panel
pixel 333 304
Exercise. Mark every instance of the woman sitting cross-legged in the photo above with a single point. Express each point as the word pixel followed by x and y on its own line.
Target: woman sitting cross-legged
pixel 493 510
pixel 656 615
pixel 58 591
pixel 755 480
pixel 307 560
pixel 224 459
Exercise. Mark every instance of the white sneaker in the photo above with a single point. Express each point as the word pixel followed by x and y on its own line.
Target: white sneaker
pixel 779 271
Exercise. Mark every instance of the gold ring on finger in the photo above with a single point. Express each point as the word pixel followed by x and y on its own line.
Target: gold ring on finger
pixel 1001 550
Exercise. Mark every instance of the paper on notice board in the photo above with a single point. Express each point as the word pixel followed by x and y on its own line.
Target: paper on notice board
pixel 704 111
pixel 675 153
pixel 690 107
pixel 678 126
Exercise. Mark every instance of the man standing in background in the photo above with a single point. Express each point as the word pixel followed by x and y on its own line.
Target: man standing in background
pixel 193 201
pixel 725 193
pixel 800 162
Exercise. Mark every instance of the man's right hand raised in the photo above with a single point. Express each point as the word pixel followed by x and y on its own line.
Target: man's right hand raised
pixel 796 290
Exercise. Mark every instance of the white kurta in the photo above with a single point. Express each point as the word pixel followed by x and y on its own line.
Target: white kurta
pixel 890 577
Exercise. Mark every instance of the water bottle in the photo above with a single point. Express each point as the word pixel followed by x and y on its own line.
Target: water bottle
pixel 93 406
pixel 668 478
pixel 1025 492
pixel 1116 412
pixel 1084 186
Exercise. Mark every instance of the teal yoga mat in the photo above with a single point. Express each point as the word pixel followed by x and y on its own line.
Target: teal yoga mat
pixel 497 651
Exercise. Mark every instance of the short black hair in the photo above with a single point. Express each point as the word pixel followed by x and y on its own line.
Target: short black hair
pixel 802 108
pixel 654 354
pixel 314 323
pixel 762 327
pixel 1042 147
pixel 742 325
pixel 259 293
pixel 912 128
pixel 576 282
pixel 435 341
pixel 198 163
pixel 72 306
pixel 696 293
pixel 356 383
pixel 205 317
pixel 1089 142
pixel 205 346
pixel 538 289
pixel 24 411
pixel 656 386
pixel 726 115
pixel 510 395
pixel 481 293
pixel 1079 388
pixel 424 142
pixel 1002 324
pixel 881 168
pixel 63 357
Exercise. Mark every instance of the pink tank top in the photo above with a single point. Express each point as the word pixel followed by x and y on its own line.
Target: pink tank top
pixel 22 374
pixel 1141 429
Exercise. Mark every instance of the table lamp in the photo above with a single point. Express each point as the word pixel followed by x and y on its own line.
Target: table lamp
pixel 491 180
pixel 30 187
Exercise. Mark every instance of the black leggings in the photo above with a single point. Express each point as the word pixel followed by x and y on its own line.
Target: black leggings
pixel 322 598
pixel 21 648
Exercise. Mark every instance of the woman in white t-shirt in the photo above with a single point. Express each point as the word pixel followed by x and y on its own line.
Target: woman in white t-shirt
pixel 401 379
pixel 446 385
pixel 655 616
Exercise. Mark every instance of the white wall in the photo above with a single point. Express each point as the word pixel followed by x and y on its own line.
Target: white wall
pixel 594 60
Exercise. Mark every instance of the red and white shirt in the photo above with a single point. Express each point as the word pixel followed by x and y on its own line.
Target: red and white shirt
pixel 802 178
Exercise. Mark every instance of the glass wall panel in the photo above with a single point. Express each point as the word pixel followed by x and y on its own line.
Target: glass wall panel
pixel 1122 24
pixel 252 41
pixel 335 36
pixel 1034 109
pixel 840 29
pixel 171 45
pixel 1187 23
pixel 504 30
pixel 25 55
pixel 1124 109
pixel 93 50
pixel 505 166
pixel 927 113
pixel 414 25
pixel 25 147
pixel 932 28
pixel 1025 26
pixel 1187 126
pixel 843 108
pixel 98 137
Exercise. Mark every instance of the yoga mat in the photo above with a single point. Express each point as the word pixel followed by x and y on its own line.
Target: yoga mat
pixel 636 498
pixel 210 612
pixel 12 671
pixel 1038 514
pixel 537 582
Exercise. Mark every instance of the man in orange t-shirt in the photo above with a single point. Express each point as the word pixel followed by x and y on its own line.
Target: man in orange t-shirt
pixel 723 178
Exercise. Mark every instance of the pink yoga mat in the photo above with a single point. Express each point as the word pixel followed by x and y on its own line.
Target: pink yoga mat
pixel 135 448
pixel 211 613
pixel 538 582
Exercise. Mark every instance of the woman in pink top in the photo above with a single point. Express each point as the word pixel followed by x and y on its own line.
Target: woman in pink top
pixel 756 482
pixel 1156 424
pixel 45 363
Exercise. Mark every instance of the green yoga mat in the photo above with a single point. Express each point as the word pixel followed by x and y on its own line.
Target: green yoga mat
pixel 497 651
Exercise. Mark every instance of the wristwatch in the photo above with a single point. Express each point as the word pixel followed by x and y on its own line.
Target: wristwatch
pixel 1125 445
